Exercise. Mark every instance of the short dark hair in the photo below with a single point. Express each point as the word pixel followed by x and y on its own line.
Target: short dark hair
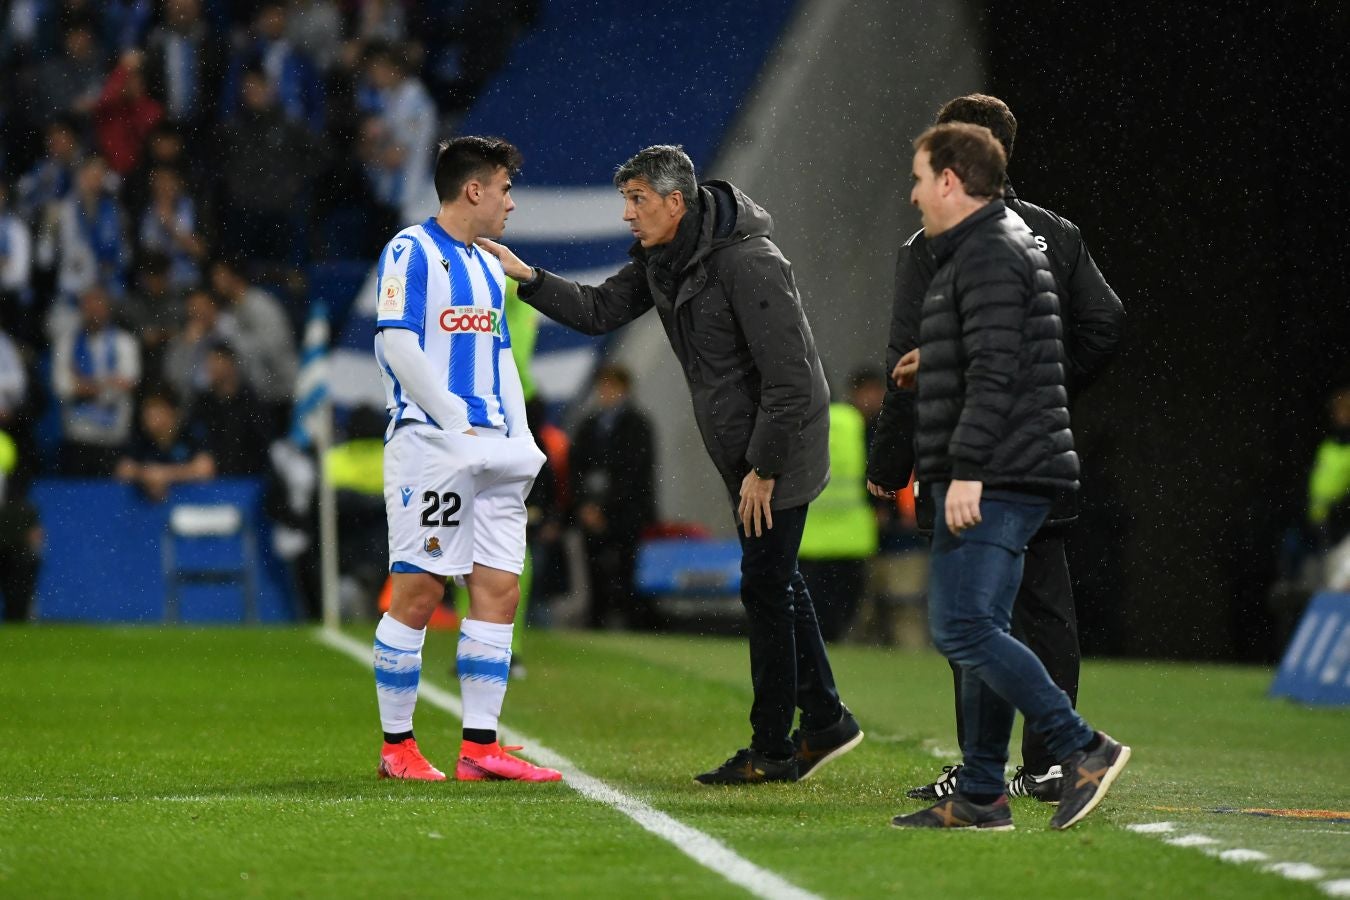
pixel 986 110
pixel 461 159
pixel 666 167
pixel 971 152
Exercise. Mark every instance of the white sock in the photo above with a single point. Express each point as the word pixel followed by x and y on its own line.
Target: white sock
pixel 484 662
pixel 398 668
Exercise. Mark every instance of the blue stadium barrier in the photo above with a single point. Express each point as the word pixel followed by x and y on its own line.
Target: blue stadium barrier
pixel 1316 667
pixel 103 554
pixel 691 567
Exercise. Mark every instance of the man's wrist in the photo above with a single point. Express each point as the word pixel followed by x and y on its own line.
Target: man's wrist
pixel 764 474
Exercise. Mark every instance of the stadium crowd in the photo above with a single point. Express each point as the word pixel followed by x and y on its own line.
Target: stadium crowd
pixel 168 171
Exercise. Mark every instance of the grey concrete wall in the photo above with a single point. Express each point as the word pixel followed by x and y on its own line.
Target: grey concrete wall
pixel 823 143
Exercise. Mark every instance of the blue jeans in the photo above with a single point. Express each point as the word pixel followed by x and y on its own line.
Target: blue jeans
pixel 973 581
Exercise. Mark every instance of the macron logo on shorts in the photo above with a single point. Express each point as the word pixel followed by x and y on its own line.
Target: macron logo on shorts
pixel 407 494
pixel 473 319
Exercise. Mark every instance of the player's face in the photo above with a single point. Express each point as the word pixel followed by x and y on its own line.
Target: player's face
pixel 495 204
pixel 653 219
pixel 924 193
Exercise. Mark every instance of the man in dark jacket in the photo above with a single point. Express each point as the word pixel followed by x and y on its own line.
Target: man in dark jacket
pixel 1091 314
pixel 613 483
pixel 995 447
pixel 730 307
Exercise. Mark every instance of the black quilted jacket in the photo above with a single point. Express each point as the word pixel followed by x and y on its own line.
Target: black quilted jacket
pixel 992 406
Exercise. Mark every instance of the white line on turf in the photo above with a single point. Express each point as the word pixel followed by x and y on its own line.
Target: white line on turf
pixel 702 848
pixel 1294 871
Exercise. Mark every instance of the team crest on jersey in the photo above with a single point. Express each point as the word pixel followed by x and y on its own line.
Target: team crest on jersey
pixel 474 319
pixel 432 546
pixel 392 296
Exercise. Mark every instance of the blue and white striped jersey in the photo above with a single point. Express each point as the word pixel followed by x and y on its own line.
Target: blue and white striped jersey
pixel 451 296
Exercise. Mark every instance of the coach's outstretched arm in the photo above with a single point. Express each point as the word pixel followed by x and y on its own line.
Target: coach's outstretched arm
pixel 589 309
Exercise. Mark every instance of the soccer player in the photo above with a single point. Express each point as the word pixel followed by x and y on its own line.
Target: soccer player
pixel 459 460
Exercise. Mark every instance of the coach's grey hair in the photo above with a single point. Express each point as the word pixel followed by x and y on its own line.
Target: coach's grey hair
pixel 666 168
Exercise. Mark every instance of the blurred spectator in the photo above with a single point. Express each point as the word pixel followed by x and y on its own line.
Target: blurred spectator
pixel 169 226
pixel 547 511
pixel 16 267
pixel 265 167
pixel 1329 481
pixel 154 309
pixel 841 528
pixel 91 243
pixel 20 540
pixel 95 369
pixel 125 114
pixel 398 144
pixel 293 79
pixel 262 326
pixel 185 67
pixel 315 26
pixel 204 328
pixel 67 83
pixel 615 494
pixel 52 177
pixel 163 453
pixel 472 44
pixel 13 383
pixel 228 419
pixel 355 468
pixel 380 20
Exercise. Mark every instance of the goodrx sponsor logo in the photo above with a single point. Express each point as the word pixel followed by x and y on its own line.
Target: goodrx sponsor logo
pixel 480 320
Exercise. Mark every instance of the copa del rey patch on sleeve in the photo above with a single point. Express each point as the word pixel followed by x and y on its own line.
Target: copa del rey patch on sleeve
pixel 393 296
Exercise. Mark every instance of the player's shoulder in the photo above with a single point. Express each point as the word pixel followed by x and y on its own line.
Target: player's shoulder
pixel 405 239
pixel 1041 220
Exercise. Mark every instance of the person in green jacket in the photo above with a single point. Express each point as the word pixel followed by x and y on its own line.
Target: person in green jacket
pixel 1329 482
pixel 841 528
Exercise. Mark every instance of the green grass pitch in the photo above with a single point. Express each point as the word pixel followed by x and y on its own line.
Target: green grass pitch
pixel 148 762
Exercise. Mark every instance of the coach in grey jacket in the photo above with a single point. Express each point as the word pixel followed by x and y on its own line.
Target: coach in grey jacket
pixel 729 305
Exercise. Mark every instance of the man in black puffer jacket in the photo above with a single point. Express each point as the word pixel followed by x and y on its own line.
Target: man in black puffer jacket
pixel 995 446
pixel 1091 314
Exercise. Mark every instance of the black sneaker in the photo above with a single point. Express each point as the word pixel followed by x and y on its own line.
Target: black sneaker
pixel 960 813
pixel 1045 788
pixel 1087 777
pixel 816 748
pixel 945 786
pixel 750 767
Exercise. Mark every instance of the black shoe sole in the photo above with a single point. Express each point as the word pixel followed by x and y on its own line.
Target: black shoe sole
pixel 832 756
pixel 1007 827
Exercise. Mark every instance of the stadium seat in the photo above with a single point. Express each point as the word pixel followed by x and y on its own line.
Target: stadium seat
pixel 209 544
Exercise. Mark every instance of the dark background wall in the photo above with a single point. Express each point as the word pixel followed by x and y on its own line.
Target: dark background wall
pixel 1202 149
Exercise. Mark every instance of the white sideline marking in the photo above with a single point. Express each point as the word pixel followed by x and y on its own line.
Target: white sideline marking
pixel 1294 871
pixel 702 848
pixel 1191 840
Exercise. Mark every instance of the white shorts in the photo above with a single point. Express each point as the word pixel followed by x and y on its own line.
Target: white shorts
pixel 456 499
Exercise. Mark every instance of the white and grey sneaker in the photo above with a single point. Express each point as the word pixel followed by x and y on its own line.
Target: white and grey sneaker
pixel 1045 788
pixel 944 786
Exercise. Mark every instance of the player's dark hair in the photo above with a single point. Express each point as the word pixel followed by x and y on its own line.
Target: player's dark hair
pixel 971 152
pixel 462 159
pixel 666 167
pixel 986 110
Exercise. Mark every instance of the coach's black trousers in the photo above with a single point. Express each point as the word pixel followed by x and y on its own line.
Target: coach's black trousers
pixel 788 664
pixel 1044 619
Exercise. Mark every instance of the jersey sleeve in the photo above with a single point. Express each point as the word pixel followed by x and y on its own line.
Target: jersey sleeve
pixel 402 281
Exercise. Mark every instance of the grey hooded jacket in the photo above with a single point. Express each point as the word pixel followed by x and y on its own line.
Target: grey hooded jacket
pixel 737 327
